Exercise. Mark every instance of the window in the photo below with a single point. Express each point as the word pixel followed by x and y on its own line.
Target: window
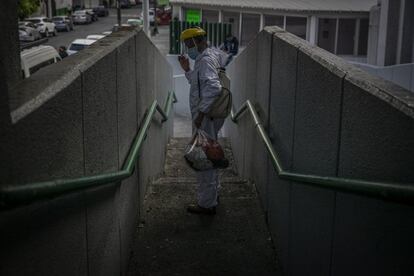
pixel 274 20
pixel 77 47
pixel 326 34
pixel 346 37
pixel 250 27
pixel 34 21
pixel 363 37
pixel 296 26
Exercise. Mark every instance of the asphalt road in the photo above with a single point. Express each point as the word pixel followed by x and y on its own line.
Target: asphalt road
pixel 102 25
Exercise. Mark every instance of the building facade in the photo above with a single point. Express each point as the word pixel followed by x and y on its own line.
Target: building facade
pixel 340 27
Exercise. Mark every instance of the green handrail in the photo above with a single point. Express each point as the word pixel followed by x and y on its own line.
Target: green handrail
pixel 20 194
pixel 397 192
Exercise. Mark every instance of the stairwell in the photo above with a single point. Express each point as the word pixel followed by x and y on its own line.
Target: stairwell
pixel 170 241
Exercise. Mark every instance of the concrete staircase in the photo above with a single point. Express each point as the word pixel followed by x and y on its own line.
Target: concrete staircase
pixel 170 241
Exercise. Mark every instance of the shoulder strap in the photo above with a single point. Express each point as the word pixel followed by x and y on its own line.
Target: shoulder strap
pixel 198 83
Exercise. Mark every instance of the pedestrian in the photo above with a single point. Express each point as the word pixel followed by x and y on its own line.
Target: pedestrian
pixel 205 87
pixel 62 52
pixel 230 46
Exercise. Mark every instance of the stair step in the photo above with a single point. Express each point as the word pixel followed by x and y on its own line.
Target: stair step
pixel 171 241
pixel 185 180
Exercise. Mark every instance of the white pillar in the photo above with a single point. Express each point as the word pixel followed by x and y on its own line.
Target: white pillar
pixel 356 36
pixel 262 23
pixel 220 16
pixel 176 12
pixel 382 35
pixel 145 12
pixel 201 15
pixel 181 14
pixel 312 35
pixel 240 28
pixel 400 32
pixel 284 22
pixel 336 36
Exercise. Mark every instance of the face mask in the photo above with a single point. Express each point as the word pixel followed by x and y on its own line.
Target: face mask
pixel 193 52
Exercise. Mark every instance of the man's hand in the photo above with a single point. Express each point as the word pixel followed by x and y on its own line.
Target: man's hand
pixel 199 120
pixel 184 62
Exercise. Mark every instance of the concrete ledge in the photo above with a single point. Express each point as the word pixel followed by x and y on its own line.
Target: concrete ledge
pixel 79 117
pixel 326 117
pixel 33 92
pixel 400 98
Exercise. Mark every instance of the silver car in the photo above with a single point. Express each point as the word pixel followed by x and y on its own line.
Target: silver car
pixel 28 31
pixel 81 17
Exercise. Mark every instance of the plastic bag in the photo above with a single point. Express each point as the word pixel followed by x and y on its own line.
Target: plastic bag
pixel 205 153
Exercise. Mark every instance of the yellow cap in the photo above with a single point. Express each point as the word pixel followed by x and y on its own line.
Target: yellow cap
pixel 192 32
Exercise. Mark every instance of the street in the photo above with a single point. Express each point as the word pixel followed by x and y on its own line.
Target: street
pixel 102 25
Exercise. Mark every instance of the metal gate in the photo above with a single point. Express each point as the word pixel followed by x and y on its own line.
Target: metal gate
pixel 216 33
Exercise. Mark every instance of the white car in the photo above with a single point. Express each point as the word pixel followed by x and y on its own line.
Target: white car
pixel 95 37
pixel 78 45
pixel 36 58
pixel 44 25
pixel 31 31
pixel 151 16
pixel 135 22
pixel 81 17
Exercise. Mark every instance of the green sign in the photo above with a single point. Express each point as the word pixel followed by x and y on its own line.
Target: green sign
pixel 163 2
pixel 193 16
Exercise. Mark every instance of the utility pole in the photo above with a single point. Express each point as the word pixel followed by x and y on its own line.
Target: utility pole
pixel 118 8
pixel 145 6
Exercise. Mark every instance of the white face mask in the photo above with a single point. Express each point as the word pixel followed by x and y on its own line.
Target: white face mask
pixel 193 51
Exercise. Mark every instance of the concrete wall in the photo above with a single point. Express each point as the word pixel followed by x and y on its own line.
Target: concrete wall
pixel 74 118
pixel 9 76
pixel 402 74
pixel 326 117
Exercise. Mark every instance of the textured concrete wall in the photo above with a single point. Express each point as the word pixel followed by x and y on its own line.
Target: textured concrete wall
pixel 83 122
pixel 402 74
pixel 9 75
pixel 326 117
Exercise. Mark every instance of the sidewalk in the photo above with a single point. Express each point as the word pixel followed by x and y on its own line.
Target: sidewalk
pixel 162 40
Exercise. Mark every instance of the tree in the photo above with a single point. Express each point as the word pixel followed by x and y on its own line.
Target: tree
pixel 27 7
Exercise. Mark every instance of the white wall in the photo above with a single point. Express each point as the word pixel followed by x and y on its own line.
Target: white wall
pixel 402 74
pixel 181 87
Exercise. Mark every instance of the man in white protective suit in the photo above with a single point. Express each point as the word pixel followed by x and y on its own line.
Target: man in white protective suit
pixel 205 87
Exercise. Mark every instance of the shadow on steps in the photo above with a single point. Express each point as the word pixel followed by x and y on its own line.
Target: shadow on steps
pixel 170 241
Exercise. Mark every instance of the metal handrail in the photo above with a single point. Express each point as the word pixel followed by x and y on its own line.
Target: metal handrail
pixel 20 194
pixel 397 192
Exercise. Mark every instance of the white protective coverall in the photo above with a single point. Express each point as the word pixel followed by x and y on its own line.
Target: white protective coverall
pixel 205 72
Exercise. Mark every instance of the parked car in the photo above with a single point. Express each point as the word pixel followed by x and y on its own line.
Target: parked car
pixel 63 23
pixel 135 22
pixel 151 16
pixel 33 59
pixel 124 4
pixel 24 36
pixel 44 25
pixel 116 27
pixel 164 16
pixel 94 16
pixel 81 17
pixel 29 31
pixel 101 11
pixel 78 45
pixel 95 37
